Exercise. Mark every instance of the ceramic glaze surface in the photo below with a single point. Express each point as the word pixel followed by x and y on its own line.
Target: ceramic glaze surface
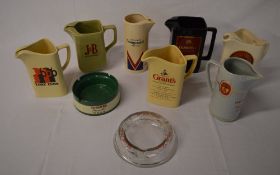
pixel 96 93
pixel 90 45
pixel 244 44
pixel 43 65
pixel 234 79
pixel 189 34
pixel 166 74
pixel 136 34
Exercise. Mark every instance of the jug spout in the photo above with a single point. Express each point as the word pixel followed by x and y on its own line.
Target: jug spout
pixel 242 68
pixel 70 29
pixel 170 23
pixel 245 36
pixel 140 20
pixel 148 56
pixel 25 51
pixel 229 37
pixel 250 81
pixel 22 53
pixel 41 47
pixel 169 55
pixel 149 24
pixel 256 75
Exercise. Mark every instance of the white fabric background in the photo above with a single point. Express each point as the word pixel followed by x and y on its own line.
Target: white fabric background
pixel 49 137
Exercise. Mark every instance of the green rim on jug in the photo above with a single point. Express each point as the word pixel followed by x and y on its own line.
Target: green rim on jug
pixel 96 93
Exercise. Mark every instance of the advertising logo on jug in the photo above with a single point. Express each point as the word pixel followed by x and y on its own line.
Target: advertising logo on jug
pixel 225 88
pixel 44 76
pixel 188 45
pixel 91 49
pixel 244 55
pixel 163 77
pixel 135 42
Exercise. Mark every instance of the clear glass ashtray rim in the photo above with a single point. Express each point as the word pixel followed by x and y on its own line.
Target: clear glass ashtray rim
pixel 160 153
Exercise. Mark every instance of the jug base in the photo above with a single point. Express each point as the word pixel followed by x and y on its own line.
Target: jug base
pixel 93 69
pixel 223 119
pixel 134 71
pixel 50 92
pixel 163 103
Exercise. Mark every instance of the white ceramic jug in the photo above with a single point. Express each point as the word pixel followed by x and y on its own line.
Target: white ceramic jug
pixel 233 81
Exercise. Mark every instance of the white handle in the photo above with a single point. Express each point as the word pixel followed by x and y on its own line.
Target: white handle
pixel 208 72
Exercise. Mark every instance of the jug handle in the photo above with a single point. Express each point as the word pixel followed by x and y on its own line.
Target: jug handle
pixel 68 53
pixel 194 63
pixel 208 72
pixel 113 27
pixel 212 43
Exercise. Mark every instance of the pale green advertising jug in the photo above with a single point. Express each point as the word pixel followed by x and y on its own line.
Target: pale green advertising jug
pixel 90 45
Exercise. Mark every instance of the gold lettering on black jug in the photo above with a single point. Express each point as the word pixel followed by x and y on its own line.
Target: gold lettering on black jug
pixel 188 45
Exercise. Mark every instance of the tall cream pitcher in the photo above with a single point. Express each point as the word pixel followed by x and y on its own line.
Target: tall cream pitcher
pixel 43 65
pixel 166 74
pixel 136 34
pixel 244 44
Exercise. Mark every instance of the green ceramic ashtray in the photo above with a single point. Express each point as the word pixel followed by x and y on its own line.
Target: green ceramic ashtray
pixel 96 93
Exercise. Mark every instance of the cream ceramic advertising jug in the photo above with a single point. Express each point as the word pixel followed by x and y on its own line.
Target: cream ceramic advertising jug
pixel 234 79
pixel 42 62
pixel 136 34
pixel 166 74
pixel 244 44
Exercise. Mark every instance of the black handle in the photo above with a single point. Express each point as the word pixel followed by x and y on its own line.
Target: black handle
pixel 212 43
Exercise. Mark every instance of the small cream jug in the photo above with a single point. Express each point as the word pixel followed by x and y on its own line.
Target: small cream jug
pixel 166 74
pixel 234 79
pixel 244 44
pixel 90 45
pixel 136 34
pixel 42 62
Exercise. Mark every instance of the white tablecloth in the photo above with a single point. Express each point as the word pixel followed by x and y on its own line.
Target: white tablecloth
pixel 47 136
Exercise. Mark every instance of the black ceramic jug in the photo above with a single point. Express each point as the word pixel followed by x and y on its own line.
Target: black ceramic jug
pixel 188 34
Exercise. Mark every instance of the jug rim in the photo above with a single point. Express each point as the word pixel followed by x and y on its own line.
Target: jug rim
pixel 253 39
pixel 199 20
pixel 25 50
pixel 76 32
pixel 164 60
pixel 144 19
pixel 256 75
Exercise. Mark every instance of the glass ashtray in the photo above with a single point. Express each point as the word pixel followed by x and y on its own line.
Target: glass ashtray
pixel 145 139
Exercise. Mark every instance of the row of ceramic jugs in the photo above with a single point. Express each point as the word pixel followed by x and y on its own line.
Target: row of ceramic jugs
pixel 168 66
